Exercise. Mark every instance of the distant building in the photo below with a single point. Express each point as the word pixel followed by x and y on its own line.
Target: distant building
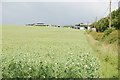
pixel 40 24
pixel 77 27
pixel 94 29
pixel 54 25
pixel 59 26
pixel 89 28
pixel 81 26
pixel 37 24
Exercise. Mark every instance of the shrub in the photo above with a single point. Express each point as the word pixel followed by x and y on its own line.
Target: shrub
pixel 111 38
pixel 88 31
pixel 108 31
pixel 96 35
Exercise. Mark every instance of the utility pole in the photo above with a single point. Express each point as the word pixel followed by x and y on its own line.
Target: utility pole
pixel 87 24
pixel 110 18
pixel 96 19
pixel 95 22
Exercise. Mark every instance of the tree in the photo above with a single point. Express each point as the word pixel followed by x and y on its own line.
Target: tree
pixel 103 23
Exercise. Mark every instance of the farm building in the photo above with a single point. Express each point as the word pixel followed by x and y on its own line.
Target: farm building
pixel 82 26
pixel 40 24
pixel 37 24
pixel 77 27
pixel 89 28
pixel 94 29
pixel 54 25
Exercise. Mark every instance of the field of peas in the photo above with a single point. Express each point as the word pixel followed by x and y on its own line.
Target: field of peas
pixel 47 52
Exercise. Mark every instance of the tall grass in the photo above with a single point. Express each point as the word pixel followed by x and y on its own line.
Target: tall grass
pixel 106 49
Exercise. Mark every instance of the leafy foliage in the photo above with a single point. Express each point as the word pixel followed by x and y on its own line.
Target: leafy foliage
pixel 82 66
pixel 70 26
pixel 97 36
pixel 88 31
pixel 103 23
pixel 108 31
pixel 112 37
pixel 104 37
pixel 116 18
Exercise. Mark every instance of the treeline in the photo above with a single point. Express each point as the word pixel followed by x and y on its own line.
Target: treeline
pixel 103 24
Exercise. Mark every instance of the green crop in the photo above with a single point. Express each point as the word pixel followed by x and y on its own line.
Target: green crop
pixel 47 52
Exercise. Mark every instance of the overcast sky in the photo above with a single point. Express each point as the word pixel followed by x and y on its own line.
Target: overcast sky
pixel 19 12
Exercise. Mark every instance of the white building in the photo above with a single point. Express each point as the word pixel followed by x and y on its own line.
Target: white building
pixel 82 28
pixel 88 27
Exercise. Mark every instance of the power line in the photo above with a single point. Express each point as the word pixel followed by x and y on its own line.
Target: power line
pixel 104 14
pixel 110 18
pixel 96 19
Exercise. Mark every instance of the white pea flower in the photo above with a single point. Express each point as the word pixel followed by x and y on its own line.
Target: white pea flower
pixel 71 53
pixel 55 63
pixel 85 65
pixel 91 64
pixel 29 68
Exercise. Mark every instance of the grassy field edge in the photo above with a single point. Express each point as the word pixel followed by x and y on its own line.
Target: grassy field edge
pixel 108 56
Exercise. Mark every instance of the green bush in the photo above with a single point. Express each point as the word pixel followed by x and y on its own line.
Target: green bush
pixel 96 35
pixel 88 31
pixel 103 23
pixel 111 38
pixel 108 31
